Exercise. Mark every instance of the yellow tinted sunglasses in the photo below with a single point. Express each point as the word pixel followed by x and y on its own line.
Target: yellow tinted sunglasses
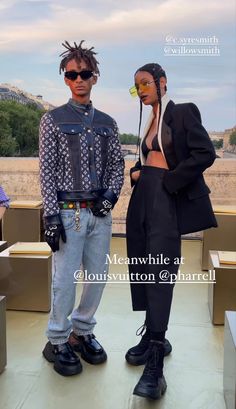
pixel 143 87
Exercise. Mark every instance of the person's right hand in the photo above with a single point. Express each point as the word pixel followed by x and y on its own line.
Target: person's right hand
pixel 2 211
pixel 135 175
pixel 53 232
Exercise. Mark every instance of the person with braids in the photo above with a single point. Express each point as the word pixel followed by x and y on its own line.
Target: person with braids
pixel 81 173
pixel 169 198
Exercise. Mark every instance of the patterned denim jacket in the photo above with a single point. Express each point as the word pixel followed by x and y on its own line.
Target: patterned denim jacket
pixel 79 151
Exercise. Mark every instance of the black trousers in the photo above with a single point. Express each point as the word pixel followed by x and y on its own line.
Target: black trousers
pixel 152 233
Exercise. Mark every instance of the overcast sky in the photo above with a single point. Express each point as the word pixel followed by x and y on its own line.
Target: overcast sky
pixel 126 35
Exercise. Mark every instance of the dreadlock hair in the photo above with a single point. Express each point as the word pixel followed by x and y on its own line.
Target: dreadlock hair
pixel 157 72
pixel 77 53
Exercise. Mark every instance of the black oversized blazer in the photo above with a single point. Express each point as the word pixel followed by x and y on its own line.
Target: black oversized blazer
pixel 194 152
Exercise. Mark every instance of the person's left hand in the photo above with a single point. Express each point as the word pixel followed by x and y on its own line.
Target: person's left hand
pixel 101 207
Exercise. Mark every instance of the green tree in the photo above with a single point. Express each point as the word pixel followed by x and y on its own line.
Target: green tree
pixel 8 144
pixel 218 144
pixel 232 138
pixel 5 129
pixel 23 121
pixel 128 139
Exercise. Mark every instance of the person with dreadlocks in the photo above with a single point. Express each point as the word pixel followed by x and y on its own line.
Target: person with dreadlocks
pixel 169 198
pixel 81 173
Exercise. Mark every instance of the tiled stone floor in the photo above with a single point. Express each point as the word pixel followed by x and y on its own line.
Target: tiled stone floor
pixel 193 371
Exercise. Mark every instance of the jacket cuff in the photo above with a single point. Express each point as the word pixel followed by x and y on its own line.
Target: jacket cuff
pixel 132 182
pixel 110 195
pixel 55 219
pixel 5 203
pixel 135 168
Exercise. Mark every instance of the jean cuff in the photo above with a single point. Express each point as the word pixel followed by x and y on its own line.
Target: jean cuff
pixel 80 333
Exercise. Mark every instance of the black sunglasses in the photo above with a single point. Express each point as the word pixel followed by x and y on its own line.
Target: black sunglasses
pixel 73 75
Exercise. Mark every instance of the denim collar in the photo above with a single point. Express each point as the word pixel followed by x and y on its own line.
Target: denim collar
pixel 80 107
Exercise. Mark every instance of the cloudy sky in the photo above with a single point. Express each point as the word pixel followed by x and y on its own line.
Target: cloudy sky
pixel 193 41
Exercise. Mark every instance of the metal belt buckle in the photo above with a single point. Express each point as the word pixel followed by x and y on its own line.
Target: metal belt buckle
pixel 77 217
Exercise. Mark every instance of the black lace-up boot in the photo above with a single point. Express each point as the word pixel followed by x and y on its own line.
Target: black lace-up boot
pixel 138 354
pixel 152 383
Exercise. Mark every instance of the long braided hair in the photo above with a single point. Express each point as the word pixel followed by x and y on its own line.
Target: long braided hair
pixel 77 53
pixel 157 72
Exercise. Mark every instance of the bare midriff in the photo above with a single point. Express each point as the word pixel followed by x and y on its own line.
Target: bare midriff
pixel 156 159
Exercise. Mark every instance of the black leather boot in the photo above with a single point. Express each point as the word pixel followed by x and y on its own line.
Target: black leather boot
pixel 152 383
pixel 138 354
pixel 65 361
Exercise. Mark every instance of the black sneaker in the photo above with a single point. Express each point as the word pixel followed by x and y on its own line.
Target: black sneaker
pixel 66 362
pixel 89 348
pixel 138 354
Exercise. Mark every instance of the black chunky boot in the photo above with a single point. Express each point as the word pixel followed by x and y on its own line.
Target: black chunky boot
pixel 138 354
pixel 89 347
pixel 152 383
pixel 65 361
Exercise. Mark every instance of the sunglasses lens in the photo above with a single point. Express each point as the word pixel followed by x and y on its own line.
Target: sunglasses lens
pixel 144 87
pixel 85 75
pixel 133 91
pixel 73 75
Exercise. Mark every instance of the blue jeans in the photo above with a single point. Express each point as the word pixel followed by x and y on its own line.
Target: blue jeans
pixel 89 248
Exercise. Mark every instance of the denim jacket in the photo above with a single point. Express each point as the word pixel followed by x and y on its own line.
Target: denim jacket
pixel 79 151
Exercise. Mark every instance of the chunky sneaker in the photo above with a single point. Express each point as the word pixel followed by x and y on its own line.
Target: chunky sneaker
pixel 138 354
pixel 89 348
pixel 152 383
pixel 66 362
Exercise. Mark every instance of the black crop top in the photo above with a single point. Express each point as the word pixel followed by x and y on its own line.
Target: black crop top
pixel 155 146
